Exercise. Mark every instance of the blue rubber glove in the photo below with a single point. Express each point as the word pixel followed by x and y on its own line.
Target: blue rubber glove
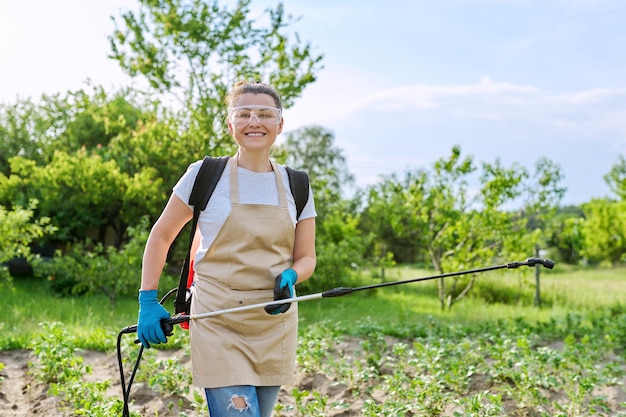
pixel 151 313
pixel 283 289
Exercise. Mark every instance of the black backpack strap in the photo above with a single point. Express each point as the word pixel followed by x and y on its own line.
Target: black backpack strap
pixel 203 187
pixel 299 185
pixel 206 181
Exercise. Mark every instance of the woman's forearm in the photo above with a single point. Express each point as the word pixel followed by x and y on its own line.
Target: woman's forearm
pixel 154 258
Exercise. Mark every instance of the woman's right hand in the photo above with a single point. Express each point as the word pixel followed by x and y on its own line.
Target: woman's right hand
pixel 151 313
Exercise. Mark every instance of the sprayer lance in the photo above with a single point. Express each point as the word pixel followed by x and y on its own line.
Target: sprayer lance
pixel 168 324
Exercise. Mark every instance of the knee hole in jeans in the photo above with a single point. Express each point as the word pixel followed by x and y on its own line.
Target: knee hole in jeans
pixel 238 402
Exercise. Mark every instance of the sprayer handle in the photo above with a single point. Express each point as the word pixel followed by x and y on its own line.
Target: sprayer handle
pixel 166 324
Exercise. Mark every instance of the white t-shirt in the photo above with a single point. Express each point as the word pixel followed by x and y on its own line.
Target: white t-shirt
pixel 254 188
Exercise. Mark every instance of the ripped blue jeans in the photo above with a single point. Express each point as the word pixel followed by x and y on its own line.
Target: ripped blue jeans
pixel 241 401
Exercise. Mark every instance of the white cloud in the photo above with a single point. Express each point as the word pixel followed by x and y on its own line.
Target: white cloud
pixel 432 96
pixel 493 100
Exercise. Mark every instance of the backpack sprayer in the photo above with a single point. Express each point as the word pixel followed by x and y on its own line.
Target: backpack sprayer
pixel 168 324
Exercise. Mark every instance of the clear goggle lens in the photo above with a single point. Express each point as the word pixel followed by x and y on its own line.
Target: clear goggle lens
pixel 265 115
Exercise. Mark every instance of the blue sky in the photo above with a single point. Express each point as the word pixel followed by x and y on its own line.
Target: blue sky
pixel 404 82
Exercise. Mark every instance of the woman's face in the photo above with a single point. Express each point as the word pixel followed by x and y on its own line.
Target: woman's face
pixel 255 121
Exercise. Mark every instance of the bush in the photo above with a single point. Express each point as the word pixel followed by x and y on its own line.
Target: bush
pixel 107 270
pixel 17 232
pixel 339 245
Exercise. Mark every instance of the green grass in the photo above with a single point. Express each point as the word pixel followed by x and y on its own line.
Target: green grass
pixel 564 290
pixel 91 318
pixel 397 309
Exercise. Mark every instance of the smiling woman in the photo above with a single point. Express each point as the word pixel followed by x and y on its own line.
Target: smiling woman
pixel 253 247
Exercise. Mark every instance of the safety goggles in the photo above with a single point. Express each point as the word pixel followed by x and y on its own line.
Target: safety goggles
pixel 265 115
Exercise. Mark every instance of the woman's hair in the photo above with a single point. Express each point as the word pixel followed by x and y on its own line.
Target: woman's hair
pixel 254 87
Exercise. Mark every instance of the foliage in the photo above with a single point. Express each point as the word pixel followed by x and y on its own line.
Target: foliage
pixel 78 119
pixel 433 211
pixel 339 242
pixel 113 272
pixel 194 50
pixel 504 368
pixel 83 194
pixel 312 148
pixel 91 119
pixel 26 129
pixel 558 367
pixel 565 234
pixel 437 213
pixel 17 231
pixel 339 245
pixel 616 178
pixel 542 196
pixel 604 231
pixel 58 365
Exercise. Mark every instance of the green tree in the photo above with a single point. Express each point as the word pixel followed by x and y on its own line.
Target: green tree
pixel 543 195
pixel 84 195
pixel 195 50
pixel 458 228
pixel 604 231
pixel 78 119
pixel 93 119
pixel 616 178
pixel 387 202
pixel 25 130
pixel 604 227
pixel 313 149
pixel 89 269
pixel 565 234
pixel 339 245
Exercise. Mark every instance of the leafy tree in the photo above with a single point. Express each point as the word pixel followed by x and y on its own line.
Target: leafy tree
pixel 387 200
pixel 616 178
pixel 543 195
pixel 604 227
pixel 339 245
pixel 457 227
pixel 83 194
pixel 195 50
pixel 566 234
pixel 25 131
pixel 312 148
pixel 94 119
pixel 604 231
pixel 78 119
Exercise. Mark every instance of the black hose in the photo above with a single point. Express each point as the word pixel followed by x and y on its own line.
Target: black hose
pixel 125 330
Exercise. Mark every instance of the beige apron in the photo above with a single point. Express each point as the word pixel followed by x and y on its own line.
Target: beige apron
pixel 250 347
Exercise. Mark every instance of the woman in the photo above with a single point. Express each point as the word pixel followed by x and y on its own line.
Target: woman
pixel 252 250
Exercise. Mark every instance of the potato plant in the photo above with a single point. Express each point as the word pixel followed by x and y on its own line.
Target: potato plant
pixel 512 368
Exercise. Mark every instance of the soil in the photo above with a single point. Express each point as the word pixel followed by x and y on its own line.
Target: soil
pixel 22 396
